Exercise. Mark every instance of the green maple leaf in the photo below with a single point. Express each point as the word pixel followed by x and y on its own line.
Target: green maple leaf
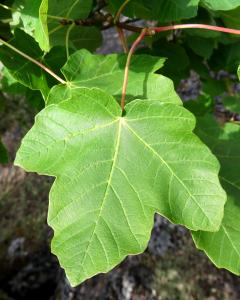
pixel 223 247
pixel 114 172
pixel 84 69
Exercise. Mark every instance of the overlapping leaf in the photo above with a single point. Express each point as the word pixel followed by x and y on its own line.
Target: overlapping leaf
pixel 202 47
pixel 200 106
pixel 231 18
pixel 221 5
pixel 223 247
pixel 21 69
pixel 75 37
pixel 26 72
pixel 226 57
pixel 177 64
pixel 4 26
pixel 11 85
pixel 161 10
pixel 71 9
pixel 167 11
pixel 114 172
pixel 203 17
pixel 84 69
pixel 232 103
pixel 71 35
pixel 33 15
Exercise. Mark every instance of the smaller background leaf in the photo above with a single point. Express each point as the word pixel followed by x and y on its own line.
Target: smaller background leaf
pixel 77 37
pixel 202 47
pixel 26 72
pixel 200 106
pixel 231 18
pixel 220 4
pixel 232 103
pixel 160 10
pixel 223 247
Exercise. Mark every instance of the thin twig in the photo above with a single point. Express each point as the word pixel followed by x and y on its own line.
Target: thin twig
pixel 119 12
pixel 67 38
pixel 122 39
pixel 8 8
pixel 129 27
pixel 125 81
pixel 33 61
pixel 61 19
pixel 6 21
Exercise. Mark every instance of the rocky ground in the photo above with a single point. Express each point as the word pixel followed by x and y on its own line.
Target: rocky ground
pixel 170 269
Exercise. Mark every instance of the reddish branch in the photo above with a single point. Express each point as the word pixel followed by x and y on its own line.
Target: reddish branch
pixel 152 31
pixel 199 26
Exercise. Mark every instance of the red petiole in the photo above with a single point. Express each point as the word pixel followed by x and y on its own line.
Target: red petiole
pixel 198 26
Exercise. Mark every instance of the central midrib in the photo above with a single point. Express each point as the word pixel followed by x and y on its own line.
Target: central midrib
pixel 107 187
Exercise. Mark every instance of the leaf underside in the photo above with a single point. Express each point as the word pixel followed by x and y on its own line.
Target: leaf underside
pixel 113 173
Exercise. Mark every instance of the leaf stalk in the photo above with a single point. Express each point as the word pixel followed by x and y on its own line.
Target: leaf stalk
pixel 119 12
pixel 122 39
pixel 42 66
pixel 126 73
pixel 197 26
